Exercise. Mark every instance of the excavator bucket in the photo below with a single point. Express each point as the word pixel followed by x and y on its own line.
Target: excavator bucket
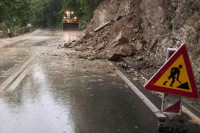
pixel 70 26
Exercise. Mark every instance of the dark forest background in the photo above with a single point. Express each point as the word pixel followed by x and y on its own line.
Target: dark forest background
pixel 44 13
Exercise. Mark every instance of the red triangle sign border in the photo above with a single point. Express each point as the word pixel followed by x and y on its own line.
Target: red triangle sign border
pixel 181 51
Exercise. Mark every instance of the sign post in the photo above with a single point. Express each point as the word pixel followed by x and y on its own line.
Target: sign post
pixel 175 79
pixel 171 104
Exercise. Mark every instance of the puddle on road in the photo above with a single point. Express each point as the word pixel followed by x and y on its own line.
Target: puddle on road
pixel 69 36
pixel 8 66
pixel 39 43
pixel 65 100
pixel 28 43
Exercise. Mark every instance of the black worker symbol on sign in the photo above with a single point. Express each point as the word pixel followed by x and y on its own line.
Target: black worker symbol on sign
pixel 174 76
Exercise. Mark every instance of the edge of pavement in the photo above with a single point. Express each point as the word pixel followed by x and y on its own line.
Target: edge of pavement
pixel 191 111
pixel 185 104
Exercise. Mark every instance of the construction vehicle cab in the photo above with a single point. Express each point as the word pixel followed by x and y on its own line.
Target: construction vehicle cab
pixel 69 22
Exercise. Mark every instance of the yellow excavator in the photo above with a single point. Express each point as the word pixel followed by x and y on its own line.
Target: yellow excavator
pixel 70 21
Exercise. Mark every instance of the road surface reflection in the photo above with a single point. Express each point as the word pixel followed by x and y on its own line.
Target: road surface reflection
pixel 69 36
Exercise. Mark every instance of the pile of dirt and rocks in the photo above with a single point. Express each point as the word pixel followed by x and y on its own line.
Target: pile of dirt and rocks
pixel 142 30
pixel 112 33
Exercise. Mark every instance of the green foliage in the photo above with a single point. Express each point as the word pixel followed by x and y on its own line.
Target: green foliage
pixel 198 51
pixel 48 13
pixel 14 14
pixel 18 9
pixel 44 13
pixel 83 9
pixel 116 0
pixel 170 26
pixel 189 1
pixel 84 56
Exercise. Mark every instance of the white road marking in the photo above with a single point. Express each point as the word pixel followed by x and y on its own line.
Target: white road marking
pixel 149 104
pixel 195 119
pixel 5 43
pixel 18 80
pixel 5 84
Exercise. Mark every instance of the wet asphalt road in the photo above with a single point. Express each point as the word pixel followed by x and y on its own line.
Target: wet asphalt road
pixel 52 99
pixel 58 93
pixel 62 94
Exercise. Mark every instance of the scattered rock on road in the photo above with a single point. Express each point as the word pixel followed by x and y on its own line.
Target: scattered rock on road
pixel 113 56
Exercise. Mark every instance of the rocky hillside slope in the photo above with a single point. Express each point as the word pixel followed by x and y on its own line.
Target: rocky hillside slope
pixel 143 30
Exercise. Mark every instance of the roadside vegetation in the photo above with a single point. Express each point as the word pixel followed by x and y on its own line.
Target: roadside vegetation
pixel 49 13
pixel 16 14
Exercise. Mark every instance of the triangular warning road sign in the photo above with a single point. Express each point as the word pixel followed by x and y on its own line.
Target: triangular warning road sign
pixel 175 76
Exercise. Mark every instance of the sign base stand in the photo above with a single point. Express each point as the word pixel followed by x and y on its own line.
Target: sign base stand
pixel 173 124
pixel 171 107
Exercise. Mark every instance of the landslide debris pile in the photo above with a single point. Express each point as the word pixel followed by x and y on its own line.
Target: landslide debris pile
pixel 143 30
